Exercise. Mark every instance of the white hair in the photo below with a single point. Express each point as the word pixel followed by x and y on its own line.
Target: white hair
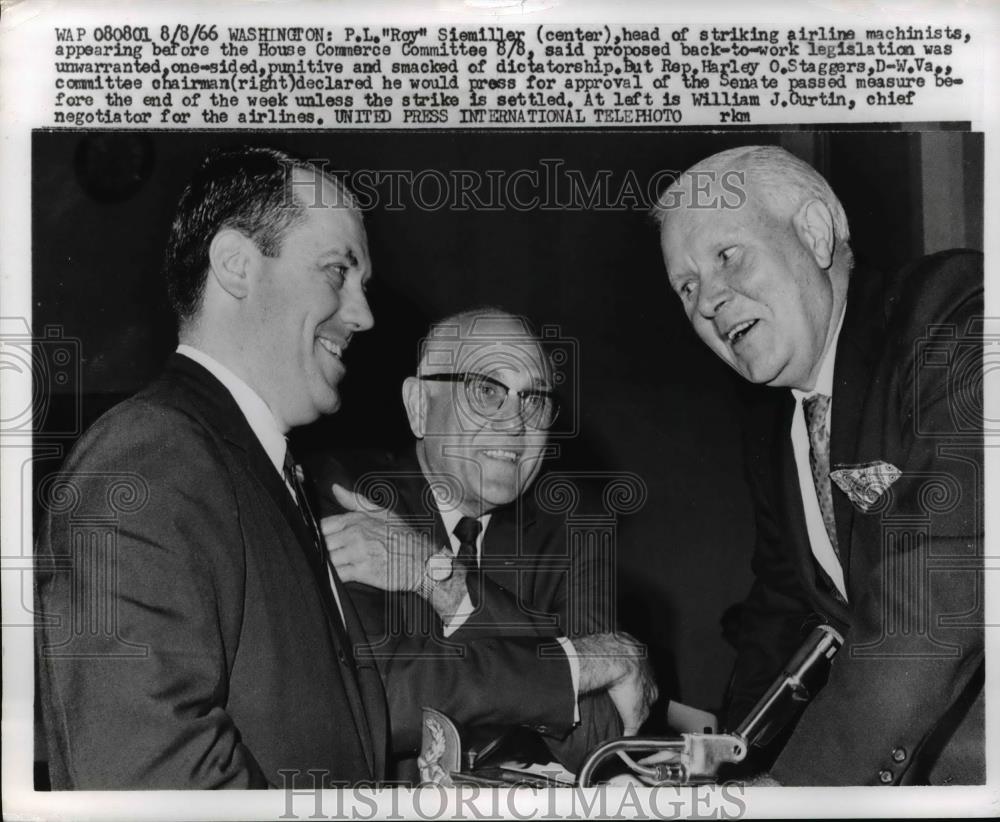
pixel 785 181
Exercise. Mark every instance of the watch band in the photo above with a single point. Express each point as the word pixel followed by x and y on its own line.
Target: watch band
pixel 438 568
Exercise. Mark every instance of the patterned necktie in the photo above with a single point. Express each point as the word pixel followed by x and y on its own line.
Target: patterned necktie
pixel 467 532
pixel 816 409
pixel 293 476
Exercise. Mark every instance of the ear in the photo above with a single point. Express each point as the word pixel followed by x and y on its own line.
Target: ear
pixel 814 226
pixel 230 256
pixel 415 403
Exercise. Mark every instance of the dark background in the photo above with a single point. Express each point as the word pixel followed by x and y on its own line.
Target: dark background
pixel 650 398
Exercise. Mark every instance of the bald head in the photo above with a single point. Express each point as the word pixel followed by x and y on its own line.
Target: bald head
pixel 479 407
pixel 489 336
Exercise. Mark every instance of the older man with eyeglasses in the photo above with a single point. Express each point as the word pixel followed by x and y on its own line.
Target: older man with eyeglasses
pixel 473 602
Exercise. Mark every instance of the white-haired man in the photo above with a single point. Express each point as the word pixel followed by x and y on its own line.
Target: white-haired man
pixel 849 465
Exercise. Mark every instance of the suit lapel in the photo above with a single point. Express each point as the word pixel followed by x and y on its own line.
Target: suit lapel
pixel 226 417
pixel 347 633
pixel 861 339
pixel 415 500
pixel 368 695
pixel 502 555
pixel 794 513
pixel 510 525
pixel 362 683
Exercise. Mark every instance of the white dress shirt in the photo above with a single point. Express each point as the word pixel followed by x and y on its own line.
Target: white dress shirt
pixel 261 421
pixel 819 540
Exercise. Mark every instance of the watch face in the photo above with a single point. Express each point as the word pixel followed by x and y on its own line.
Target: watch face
pixel 439 566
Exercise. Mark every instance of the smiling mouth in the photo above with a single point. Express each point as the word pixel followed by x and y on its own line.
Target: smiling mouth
pixel 502 454
pixel 332 347
pixel 739 331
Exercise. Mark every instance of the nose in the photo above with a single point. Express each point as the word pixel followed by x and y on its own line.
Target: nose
pixel 713 295
pixel 510 418
pixel 355 309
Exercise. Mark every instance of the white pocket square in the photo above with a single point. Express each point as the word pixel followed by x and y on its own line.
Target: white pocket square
pixel 865 483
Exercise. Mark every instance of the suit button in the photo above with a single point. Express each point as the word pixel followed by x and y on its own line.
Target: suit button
pixel 542 729
pixel 342 657
pixel 899 754
pixel 885 776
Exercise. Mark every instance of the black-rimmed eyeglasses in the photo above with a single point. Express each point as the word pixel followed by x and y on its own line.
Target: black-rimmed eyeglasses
pixel 488 398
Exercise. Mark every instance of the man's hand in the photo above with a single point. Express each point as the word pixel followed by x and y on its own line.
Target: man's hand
pixel 372 545
pixel 617 663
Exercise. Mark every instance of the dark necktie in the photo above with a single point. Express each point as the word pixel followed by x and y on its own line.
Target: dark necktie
pixel 338 621
pixel 816 409
pixel 293 476
pixel 467 531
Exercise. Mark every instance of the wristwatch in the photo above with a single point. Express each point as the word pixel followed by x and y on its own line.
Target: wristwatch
pixel 438 568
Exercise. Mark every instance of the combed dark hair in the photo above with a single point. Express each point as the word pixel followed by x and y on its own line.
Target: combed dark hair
pixel 247 189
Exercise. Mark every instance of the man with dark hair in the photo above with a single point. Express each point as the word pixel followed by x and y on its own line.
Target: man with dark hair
pixel 252 191
pixel 226 657
pixel 865 466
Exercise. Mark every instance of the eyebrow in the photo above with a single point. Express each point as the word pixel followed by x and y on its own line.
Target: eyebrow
pixel 679 273
pixel 346 253
pixel 536 383
pixel 540 384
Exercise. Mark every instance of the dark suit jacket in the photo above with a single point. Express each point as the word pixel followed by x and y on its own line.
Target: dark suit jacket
pixel 911 670
pixel 503 666
pixel 190 638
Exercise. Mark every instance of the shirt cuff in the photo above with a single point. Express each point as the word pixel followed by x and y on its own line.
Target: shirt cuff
pixel 574 672
pixel 458 619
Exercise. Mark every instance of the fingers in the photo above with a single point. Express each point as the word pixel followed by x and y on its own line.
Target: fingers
pixel 346 573
pixel 660 757
pixel 359 510
pixel 598 668
pixel 647 692
pixel 336 523
pixel 628 706
pixel 606 659
pixel 351 501
pixel 617 663
pixel 350 553
pixel 358 557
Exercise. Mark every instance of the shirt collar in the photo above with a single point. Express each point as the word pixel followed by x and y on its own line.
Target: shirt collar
pixel 451 516
pixel 258 415
pixel 824 380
